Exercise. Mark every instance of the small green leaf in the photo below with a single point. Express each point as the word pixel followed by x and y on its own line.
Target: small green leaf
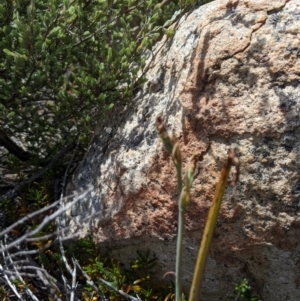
pixel 14 54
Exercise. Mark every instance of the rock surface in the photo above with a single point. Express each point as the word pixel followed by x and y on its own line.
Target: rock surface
pixel 229 76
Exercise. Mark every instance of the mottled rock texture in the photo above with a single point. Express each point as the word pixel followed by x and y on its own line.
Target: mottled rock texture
pixel 229 76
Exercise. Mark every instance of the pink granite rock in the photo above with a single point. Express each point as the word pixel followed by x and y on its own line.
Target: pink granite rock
pixel 229 77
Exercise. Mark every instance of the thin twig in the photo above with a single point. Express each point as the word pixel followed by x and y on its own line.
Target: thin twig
pixel 119 291
pixel 12 286
pixel 38 212
pixel 13 273
pixel 27 289
pixel 40 274
pixel 4 274
pixel 59 230
pixel 28 217
pixel 46 221
pixel 74 283
pixel 27 267
pixel 90 282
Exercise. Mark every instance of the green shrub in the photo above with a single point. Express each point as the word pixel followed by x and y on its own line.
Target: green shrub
pixel 64 64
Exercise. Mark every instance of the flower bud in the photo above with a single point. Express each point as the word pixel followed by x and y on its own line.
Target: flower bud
pixel 163 134
pixel 176 155
pixel 184 198
pixel 190 170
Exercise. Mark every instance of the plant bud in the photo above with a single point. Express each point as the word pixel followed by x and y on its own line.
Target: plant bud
pixel 163 134
pixel 191 166
pixel 184 198
pixel 176 155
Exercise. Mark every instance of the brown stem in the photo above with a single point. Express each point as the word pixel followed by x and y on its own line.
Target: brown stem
pixel 13 148
pixel 16 190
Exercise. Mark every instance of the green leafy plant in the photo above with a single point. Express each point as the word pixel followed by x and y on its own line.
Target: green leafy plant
pixel 243 290
pixel 4 295
pixel 139 279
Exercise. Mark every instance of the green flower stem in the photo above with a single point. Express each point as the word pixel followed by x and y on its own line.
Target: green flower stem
pixel 180 230
pixel 184 199
pixel 178 293
pixel 179 179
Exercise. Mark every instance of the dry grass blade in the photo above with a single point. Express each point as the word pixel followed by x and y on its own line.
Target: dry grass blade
pixel 210 224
